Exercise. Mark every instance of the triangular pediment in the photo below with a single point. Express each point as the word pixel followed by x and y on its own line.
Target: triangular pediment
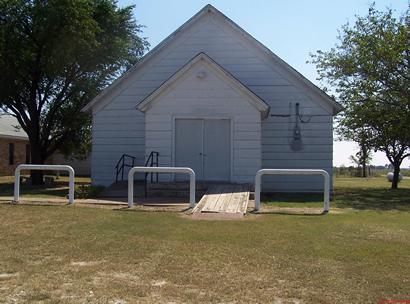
pixel 207 62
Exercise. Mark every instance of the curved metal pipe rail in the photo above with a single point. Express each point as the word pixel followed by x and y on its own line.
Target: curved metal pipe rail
pixel 326 189
pixel 161 170
pixel 44 167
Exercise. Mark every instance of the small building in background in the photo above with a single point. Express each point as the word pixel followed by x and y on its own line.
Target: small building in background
pixel 15 150
pixel 82 167
pixel 14 145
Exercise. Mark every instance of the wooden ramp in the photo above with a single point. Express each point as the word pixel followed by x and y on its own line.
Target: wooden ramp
pixel 230 200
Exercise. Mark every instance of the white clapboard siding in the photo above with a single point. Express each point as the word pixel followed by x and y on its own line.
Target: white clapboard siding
pixel 119 128
pixel 114 135
pixel 226 103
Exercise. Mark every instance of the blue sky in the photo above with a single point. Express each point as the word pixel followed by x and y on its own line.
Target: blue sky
pixel 291 29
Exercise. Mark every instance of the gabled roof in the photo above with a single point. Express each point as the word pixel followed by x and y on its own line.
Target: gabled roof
pixel 210 9
pixel 10 128
pixel 203 58
pixel 145 58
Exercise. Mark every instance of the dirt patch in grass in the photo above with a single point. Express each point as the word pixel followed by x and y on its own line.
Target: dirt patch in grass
pixel 272 209
pixel 7 275
pixel 86 263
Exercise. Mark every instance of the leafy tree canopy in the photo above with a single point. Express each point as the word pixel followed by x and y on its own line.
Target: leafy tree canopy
pixel 55 56
pixel 369 69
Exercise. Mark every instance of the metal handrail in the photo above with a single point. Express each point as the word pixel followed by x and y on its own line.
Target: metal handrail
pixel 120 169
pixel 152 161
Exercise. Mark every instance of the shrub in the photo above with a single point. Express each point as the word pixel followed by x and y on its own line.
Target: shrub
pixel 88 191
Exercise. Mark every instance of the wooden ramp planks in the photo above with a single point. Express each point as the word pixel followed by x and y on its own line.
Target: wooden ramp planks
pixel 224 198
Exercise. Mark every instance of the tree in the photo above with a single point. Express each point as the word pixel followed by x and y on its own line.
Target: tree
pixel 362 159
pixel 369 69
pixel 55 56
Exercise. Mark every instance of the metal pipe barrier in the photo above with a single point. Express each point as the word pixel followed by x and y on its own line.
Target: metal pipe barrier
pixel 44 167
pixel 161 170
pixel 326 189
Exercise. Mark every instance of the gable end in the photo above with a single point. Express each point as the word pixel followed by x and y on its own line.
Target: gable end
pixel 255 100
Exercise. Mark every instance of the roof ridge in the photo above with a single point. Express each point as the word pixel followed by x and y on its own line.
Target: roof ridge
pixel 210 8
pixel 146 57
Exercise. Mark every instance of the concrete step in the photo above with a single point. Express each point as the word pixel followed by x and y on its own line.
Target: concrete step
pixel 171 189
pixel 176 186
pixel 175 189
pixel 251 195
pixel 120 189
pixel 173 193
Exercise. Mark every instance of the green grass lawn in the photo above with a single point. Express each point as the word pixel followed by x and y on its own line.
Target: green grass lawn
pixel 350 192
pixel 74 254
pixel 58 189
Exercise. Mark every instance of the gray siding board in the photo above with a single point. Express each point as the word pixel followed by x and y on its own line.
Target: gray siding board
pixel 307 141
pixel 284 148
pixel 285 120
pixel 296 164
pixel 299 155
pixel 305 133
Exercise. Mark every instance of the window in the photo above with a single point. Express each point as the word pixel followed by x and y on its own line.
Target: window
pixel 27 154
pixel 11 154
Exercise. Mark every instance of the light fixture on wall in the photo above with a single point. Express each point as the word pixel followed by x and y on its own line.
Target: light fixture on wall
pixel 201 74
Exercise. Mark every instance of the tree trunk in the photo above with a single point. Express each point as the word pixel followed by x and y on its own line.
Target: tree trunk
pixel 364 160
pixel 36 176
pixel 396 172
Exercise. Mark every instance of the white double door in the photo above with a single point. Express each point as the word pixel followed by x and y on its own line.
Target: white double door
pixel 205 146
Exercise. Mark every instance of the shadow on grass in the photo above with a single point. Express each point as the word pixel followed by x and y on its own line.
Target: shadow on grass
pixel 372 199
pixel 57 189
pixel 281 212
pixel 301 198
pixel 35 204
pixel 152 208
pixel 7 189
pixel 344 197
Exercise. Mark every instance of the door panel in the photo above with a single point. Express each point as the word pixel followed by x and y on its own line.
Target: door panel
pixel 188 146
pixel 217 150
